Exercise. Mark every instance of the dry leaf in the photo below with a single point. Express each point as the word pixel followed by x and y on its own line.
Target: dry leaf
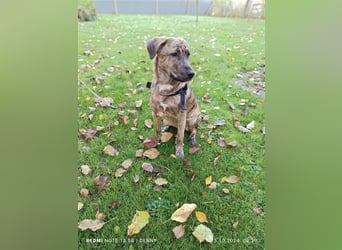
pixel 138 104
pixel 225 190
pixel 161 181
pixel 127 163
pixel 179 231
pixel 150 142
pixel 166 136
pixel 147 167
pixel 112 204
pixel 243 129
pixel 208 180
pixel 88 134
pixel 104 181
pixel 104 102
pixel 203 233
pixel 194 149
pixel 84 192
pixel 85 169
pixel 231 105
pixel 201 217
pixel 250 125
pixel 79 206
pixel 221 142
pixel 100 216
pixel 136 178
pixel 187 162
pixel 148 123
pixel 217 158
pixel 235 224
pixel 151 153
pixel 93 225
pixel 109 150
pixel 119 172
pixel 233 179
pixel 157 188
pixel 213 185
pixel 220 123
pixel 223 179
pixel 139 153
pixel 182 213
pixel 233 143
pixel 140 220
pixel 257 211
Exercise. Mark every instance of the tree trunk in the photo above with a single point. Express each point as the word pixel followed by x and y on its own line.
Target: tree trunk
pixel 245 13
pixel 157 7
pixel 196 10
pixel 115 7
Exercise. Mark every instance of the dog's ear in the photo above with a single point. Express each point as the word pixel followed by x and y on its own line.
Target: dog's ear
pixel 155 44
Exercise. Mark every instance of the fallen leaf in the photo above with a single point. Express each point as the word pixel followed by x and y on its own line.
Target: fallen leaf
pixel 140 220
pixel 217 158
pixel 221 142
pixel 233 179
pixel 122 104
pixel 225 190
pixel 104 102
pixel 231 105
pixel 151 153
pixel 204 194
pixel 182 213
pixel 135 122
pixel 112 204
pixel 148 123
pixel 104 181
pixel 235 224
pixel 205 98
pixel 150 142
pixel 157 188
pixel 208 180
pixel 93 225
pixel 100 216
pixel 244 112
pixel 136 178
pixel 219 123
pixel 119 172
pixel 233 144
pixel 138 104
pixel 116 229
pixel 109 150
pixel 201 217
pixel 179 231
pixel 85 169
pixel 194 149
pixel 203 233
pixel 79 206
pixel 212 185
pixel 166 136
pixel 187 162
pixel 127 163
pixel 139 153
pixel 257 211
pixel 223 179
pixel 243 129
pixel 88 134
pixel 250 125
pixel 84 192
pixel 147 167
pixel 96 180
pixel 161 181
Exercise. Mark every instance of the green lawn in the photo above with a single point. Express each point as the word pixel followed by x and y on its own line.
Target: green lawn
pixel 113 62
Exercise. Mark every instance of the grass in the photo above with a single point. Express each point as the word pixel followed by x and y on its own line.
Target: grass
pixel 220 48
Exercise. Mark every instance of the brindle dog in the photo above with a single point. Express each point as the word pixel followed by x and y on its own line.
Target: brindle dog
pixel 172 100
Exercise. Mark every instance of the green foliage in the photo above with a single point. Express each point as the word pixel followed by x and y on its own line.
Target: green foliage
pixel 86 4
pixel 113 62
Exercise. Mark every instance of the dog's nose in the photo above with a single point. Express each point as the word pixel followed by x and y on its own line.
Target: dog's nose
pixel 191 74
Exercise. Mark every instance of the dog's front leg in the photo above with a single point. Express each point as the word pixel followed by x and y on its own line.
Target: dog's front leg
pixel 180 133
pixel 158 122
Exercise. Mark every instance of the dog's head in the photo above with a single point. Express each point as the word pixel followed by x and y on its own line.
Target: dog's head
pixel 171 58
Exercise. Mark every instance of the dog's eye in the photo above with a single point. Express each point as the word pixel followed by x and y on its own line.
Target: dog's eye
pixel 187 53
pixel 174 54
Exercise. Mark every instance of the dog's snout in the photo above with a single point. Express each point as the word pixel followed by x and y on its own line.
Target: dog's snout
pixel 191 74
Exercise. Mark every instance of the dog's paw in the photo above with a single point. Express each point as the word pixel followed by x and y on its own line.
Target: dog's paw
pixel 180 153
pixel 192 141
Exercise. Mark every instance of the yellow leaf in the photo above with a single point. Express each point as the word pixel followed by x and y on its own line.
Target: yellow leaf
pixel 182 213
pixel 208 180
pixel 224 179
pixel 101 117
pixel 235 224
pixel 161 181
pixel 201 217
pixel 203 233
pixel 140 220
pixel 173 156
pixel 210 140
pixel 116 229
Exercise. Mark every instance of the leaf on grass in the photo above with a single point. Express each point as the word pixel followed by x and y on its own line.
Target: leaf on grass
pixel 203 233
pixel 257 211
pixel 221 142
pixel 208 180
pixel 179 231
pixel 104 182
pixel 212 185
pixel 140 220
pixel 161 181
pixel 147 167
pixel 243 129
pixel 194 149
pixel 100 216
pixel 93 225
pixel 150 142
pixel 182 213
pixel 112 204
pixel 225 190
pixel 220 123
pixel 235 224
pixel 119 172
pixel 250 125
pixel 217 158
pixel 138 104
pixel 104 102
pixel 139 153
pixel 84 192
pixel 109 150
pixel 88 134
pixel 187 162
pixel 223 179
pixel 127 163
pixel 136 178
pixel 148 123
pixel 231 105
pixel 151 153
pixel 233 144
pixel 244 112
pixel 157 188
pixel 205 98
pixel 201 217
pixel 233 179
pixel 79 206
pixel 166 136
pixel 85 169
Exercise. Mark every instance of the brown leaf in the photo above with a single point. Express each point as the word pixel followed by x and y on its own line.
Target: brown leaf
pixel 205 98
pixel 220 123
pixel 139 153
pixel 119 172
pixel 104 181
pixel 182 213
pixel 179 231
pixel 212 185
pixel 104 102
pixel 166 136
pixel 85 169
pixel 151 153
pixel 150 142
pixel 148 123
pixel 88 134
pixel 112 204
pixel 221 142
pixel 194 149
pixel 100 216
pixel 187 162
pixel 225 190
pixel 233 144
pixel 147 167
pixel 217 158
pixel 93 225
pixel 243 129
pixel 136 178
pixel 96 180
pixel 84 192
pixel 122 104
pixel 257 211
pixel 127 163
pixel 135 122
pixel 157 188
pixel 205 118
pixel 109 150
pixel 244 112
pixel 233 179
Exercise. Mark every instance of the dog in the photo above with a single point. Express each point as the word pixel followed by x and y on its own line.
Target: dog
pixel 172 100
